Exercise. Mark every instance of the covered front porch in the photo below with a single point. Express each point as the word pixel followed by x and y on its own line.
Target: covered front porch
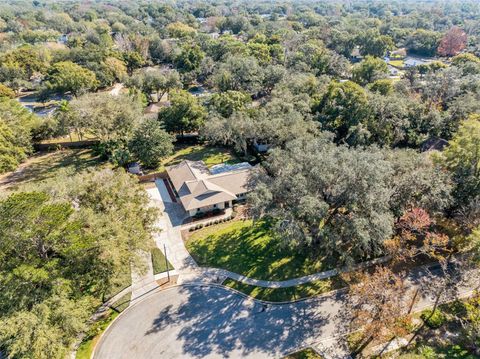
pixel 225 214
pixel 217 208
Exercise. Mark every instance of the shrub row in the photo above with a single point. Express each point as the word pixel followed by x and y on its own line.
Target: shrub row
pixel 216 221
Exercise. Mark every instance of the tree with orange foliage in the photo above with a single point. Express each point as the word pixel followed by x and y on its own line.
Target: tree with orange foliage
pixel 452 42
pixel 380 305
pixel 415 237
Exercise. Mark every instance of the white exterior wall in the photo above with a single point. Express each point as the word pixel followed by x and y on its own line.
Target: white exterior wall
pixel 221 205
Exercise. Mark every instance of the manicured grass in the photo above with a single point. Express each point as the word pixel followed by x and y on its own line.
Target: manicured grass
pixel 304 354
pixel 121 304
pixel 94 333
pixel 211 155
pixel 158 261
pixel 287 294
pixel 396 63
pixel 88 344
pixel 252 249
pixel 50 164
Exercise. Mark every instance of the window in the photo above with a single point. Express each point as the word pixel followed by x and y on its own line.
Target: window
pixel 198 210
pixel 214 206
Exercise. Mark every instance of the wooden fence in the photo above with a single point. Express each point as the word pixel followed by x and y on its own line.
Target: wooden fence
pixel 151 177
pixel 67 144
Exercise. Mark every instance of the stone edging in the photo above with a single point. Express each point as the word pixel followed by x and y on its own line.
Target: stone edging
pixel 201 284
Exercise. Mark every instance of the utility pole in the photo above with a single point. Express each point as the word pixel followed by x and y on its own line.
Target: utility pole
pixel 166 261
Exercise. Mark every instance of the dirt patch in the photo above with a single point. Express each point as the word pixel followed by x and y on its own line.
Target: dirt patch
pixel 165 283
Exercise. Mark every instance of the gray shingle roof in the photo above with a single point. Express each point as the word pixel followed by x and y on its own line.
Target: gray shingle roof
pixel 197 187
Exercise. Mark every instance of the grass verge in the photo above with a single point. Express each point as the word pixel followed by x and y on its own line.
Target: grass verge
pixel 158 261
pixel 211 155
pixel 307 353
pixel 252 249
pixel 93 335
pixel 287 294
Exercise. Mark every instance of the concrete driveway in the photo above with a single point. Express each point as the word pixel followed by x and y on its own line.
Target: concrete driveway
pixel 213 322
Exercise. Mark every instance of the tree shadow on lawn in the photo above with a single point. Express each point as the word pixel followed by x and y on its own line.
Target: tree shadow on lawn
pixel 47 165
pixel 255 251
pixel 209 154
pixel 214 320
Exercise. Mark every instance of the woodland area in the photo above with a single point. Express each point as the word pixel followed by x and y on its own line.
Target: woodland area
pixel 368 113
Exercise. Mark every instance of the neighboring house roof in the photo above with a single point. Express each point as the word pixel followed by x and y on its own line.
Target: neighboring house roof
pixel 434 143
pixel 355 52
pixel 198 187
pixel 411 62
pixel 399 52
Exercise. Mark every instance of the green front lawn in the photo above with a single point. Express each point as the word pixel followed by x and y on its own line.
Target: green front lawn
pixel 287 294
pixel 158 261
pixel 252 249
pixel 396 63
pixel 211 155
pixel 73 137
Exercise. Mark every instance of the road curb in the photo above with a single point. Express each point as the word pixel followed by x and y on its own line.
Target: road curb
pixel 202 284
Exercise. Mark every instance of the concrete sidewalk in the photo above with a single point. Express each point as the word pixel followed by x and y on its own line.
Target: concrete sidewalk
pixel 143 282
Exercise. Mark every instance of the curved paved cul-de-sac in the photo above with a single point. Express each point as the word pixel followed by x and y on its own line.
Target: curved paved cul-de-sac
pixel 213 322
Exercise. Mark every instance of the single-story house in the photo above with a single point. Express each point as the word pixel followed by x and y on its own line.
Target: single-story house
pixel 413 61
pixel 355 55
pixel 398 54
pixel 201 190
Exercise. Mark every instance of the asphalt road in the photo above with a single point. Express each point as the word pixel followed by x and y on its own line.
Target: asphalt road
pixel 213 322
pixel 193 321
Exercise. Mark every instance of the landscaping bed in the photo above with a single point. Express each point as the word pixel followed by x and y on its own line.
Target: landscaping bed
pixel 440 334
pixel 159 263
pixel 307 353
pixel 301 291
pixel 252 249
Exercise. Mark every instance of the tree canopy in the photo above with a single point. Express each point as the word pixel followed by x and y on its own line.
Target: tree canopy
pixel 184 114
pixel 61 249
pixel 70 77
